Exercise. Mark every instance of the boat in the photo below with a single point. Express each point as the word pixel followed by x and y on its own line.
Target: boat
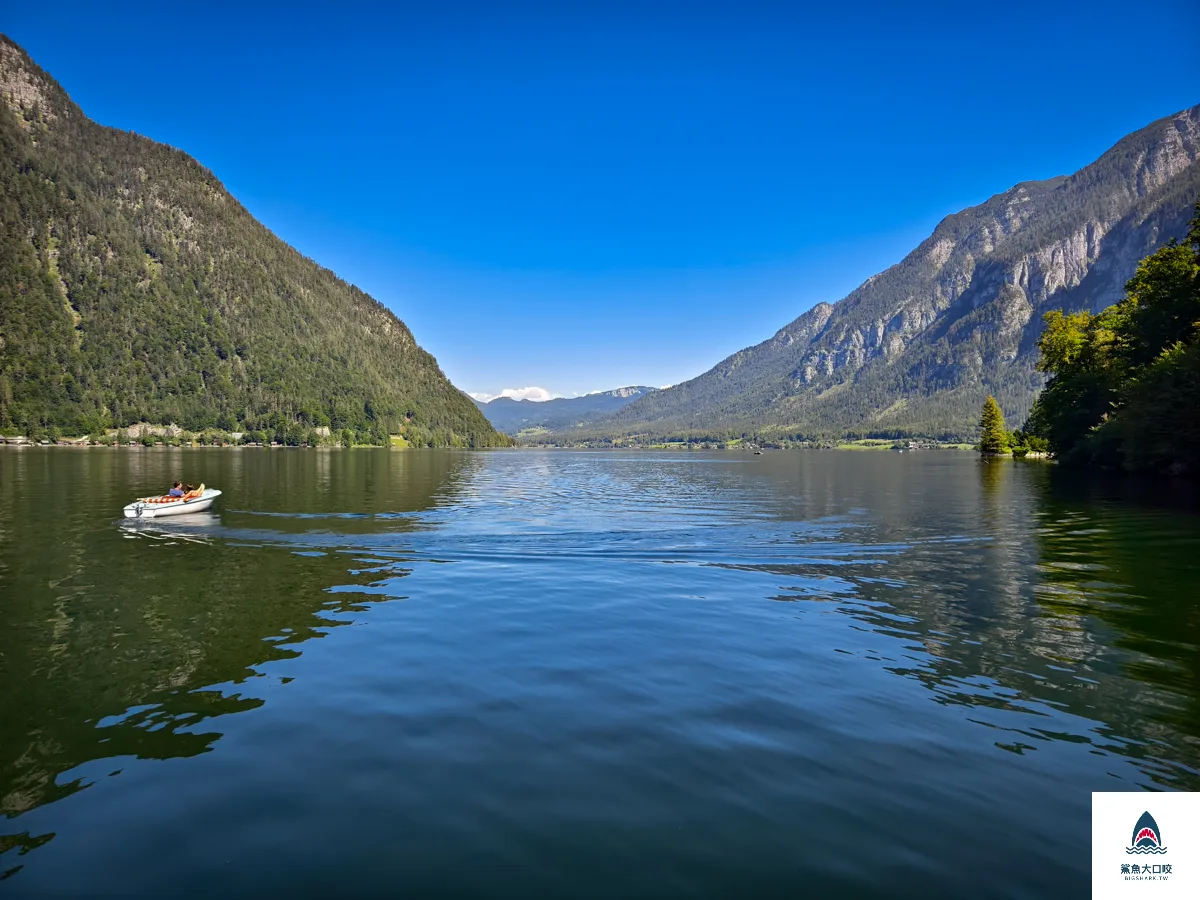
pixel 154 507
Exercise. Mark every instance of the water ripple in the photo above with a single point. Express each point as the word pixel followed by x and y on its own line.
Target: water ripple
pixel 601 674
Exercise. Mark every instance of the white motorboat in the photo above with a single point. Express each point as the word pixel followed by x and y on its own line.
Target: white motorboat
pixel 154 507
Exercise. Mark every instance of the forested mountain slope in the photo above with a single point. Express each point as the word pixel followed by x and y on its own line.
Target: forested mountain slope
pixel 133 286
pixel 917 348
pixel 511 415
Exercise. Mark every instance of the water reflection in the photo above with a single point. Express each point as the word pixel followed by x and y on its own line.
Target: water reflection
pixel 1118 571
pixel 736 645
pixel 201 527
pixel 1030 595
pixel 108 654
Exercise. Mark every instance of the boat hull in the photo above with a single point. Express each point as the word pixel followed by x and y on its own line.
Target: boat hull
pixel 139 509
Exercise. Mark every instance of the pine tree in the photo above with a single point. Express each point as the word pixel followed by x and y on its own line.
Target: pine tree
pixel 994 438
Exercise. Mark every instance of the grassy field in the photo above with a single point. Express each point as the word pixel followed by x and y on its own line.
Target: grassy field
pixel 879 444
pixel 866 444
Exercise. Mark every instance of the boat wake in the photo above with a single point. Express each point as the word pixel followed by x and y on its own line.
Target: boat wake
pixel 197 528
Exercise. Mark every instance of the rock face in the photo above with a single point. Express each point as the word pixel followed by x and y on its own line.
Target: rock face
pixel 624 393
pixel 916 348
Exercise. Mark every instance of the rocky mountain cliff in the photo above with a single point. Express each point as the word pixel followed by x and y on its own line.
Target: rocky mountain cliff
pixel 133 287
pixel 512 416
pixel 916 348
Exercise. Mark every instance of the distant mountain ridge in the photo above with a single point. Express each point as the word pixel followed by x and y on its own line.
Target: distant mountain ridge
pixel 512 416
pixel 134 287
pixel 915 349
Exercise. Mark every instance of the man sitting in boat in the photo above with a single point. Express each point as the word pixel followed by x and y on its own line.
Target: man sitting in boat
pixel 181 491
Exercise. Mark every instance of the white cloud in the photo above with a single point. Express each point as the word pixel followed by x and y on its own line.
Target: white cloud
pixel 536 394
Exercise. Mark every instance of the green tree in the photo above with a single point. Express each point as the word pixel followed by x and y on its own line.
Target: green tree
pixel 1077 351
pixel 993 438
pixel 1125 383
pixel 1161 307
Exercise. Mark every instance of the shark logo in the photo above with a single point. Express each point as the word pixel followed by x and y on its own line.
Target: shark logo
pixel 1147 838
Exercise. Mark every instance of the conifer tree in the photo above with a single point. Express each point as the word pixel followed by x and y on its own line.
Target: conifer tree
pixel 994 438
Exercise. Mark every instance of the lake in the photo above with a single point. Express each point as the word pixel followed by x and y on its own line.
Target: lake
pixel 524 673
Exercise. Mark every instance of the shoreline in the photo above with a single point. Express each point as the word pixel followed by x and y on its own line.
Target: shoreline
pixel 90 445
pixel 85 444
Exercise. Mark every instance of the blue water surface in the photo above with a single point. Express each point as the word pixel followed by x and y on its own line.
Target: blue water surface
pixel 584 674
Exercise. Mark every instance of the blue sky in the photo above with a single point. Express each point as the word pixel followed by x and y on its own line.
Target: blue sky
pixel 577 197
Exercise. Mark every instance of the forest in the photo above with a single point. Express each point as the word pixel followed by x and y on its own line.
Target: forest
pixel 1124 388
pixel 135 288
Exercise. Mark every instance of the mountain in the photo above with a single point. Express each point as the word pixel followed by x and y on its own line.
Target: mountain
pixel 134 287
pixel 915 349
pixel 512 416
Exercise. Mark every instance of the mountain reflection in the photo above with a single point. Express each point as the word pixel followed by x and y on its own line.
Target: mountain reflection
pixel 594 640
pixel 1115 568
pixel 109 653
pixel 1075 609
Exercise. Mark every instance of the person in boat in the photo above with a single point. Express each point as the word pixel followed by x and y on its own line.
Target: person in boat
pixel 176 490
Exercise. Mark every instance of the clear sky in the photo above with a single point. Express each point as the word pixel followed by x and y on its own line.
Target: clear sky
pixel 581 196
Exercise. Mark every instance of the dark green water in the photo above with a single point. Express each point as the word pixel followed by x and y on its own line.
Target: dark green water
pixel 584 674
